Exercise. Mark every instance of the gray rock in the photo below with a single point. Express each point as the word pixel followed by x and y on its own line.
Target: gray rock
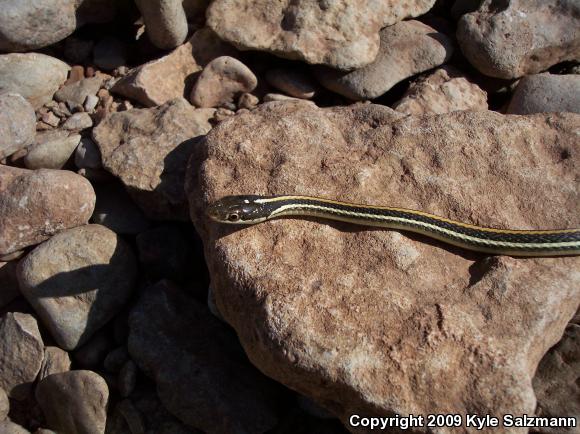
pixel 543 93
pixel 77 281
pixel 8 283
pixel 35 204
pixel 74 402
pixel 115 360
pixel 55 361
pixel 116 210
pixel 30 24
pixel 76 93
pixel 7 427
pixel 87 155
pixel 17 123
pixel 407 48
pixel 221 82
pixel 35 76
pixel 148 150
pixel 21 353
pixel 78 121
pixel 4 404
pixel 165 22
pixel 510 39
pixel 52 154
pixel 201 373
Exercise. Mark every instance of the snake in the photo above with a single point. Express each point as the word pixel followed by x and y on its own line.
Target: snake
pixel 252 209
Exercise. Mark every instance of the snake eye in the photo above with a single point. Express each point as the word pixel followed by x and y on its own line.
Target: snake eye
pixel 233 217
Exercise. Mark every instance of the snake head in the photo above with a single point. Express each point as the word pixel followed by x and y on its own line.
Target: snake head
pixel 243 210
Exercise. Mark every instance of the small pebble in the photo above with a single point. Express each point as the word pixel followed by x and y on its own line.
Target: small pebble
pixel 78 122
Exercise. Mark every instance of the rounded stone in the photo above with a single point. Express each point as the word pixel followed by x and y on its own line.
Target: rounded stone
pixel 8 427
pixel 52 154
pixel 165 22
pixel 17 123
pixel 221 82
pixel 77 281
pixel 74 401
pixel 292 82
pixel 35 76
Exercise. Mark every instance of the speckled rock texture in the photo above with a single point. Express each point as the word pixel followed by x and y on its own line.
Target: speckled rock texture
pixel 442 91
pixel 513 38
pixel 407 48
pixel 556 381
pixel 35 76
pixel 36 204
pixel 341 34
pixel 77 281
pixel 169 77
pixel 21 353
pixel 378 322
pixel 541 93
pixel 17 123
pixel 147 149
pixel 74 402
pixel 201 373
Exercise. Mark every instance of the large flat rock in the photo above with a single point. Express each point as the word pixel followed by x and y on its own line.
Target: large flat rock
pixel 378 322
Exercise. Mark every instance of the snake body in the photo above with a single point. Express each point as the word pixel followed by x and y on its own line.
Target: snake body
pixel 256 209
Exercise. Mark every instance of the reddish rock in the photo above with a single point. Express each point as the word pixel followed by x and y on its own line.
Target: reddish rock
pixel 341 34
pixel 443 91
pixel 148 150
pixel 36 204
pixel 514 38
pixel 381 322
pixel 407 48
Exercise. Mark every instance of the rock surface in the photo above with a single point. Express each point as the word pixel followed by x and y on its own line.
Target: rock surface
pixel 292 82
pixel 35 76
pixel 52 154
pixel 341 34
pixel 36 204
pixel 513 38
pixel 407 48
pixel 169 77
pixel 543 93
pixel 77 281
pixel 221 82
pixel 4 404
pixel 165 22
pixel 30 24
pixel 55 361
pixel 74 402
pixel 148 150
pixel 556 381
pixel 21 353
pixel 17 123
pixel 443 91
pixel 116 210
pixel 76 93
pixel 464 332
pixel 7 427
pixel 202 376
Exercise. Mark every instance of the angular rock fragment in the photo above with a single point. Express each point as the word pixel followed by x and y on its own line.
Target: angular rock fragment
pixel 512 38
pixel 382 322
pixel 340 34
pixel 74 402
pixel 147 149
pixel 443 91
pixel 21 353
pixel 55 361
pixel 77 281
pixel 407 48
pixel 36 204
